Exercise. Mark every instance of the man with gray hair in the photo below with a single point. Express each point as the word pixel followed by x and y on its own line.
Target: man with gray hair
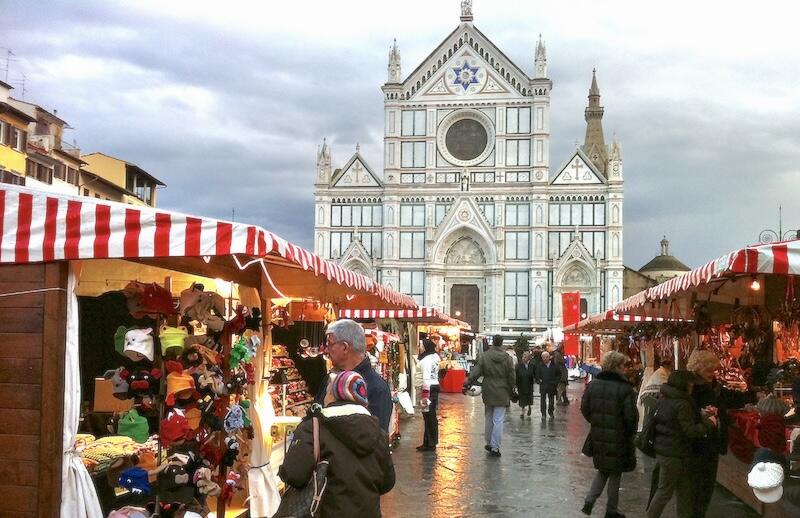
pixel 347 350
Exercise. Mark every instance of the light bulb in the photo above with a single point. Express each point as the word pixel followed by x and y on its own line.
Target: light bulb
pixel 755 285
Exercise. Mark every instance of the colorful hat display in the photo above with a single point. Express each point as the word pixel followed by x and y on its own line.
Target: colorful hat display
pixel 139 344
pixel 118 383
pixel 134 426
pixel 172 339
pixel 178 382
pixel 350 386
pixel 173 428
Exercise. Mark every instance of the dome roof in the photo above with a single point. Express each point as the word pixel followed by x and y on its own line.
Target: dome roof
pixel 664 261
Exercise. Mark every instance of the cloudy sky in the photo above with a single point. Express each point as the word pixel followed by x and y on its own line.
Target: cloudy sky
pixel 227 101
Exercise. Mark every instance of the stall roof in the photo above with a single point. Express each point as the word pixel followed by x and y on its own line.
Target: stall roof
pixel 37 226
pixel 609 322
pixel 421 315
pixel 782 258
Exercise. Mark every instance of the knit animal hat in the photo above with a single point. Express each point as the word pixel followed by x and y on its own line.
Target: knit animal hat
pixel 139 344
pixel 350 386
pixel 135 480
pixel 178 381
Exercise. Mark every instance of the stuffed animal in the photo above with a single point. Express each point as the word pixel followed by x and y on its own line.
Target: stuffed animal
pixel 206 486
pixel 231 452
pixel 231 485
pixel 240 353
pixel 234 419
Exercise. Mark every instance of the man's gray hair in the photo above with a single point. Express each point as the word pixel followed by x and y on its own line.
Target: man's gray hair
pixel 349 331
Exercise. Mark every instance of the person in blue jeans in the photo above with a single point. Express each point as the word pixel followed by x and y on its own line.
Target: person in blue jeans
pixel 499 380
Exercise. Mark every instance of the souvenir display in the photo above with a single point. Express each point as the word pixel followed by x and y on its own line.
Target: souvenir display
pixel 296 396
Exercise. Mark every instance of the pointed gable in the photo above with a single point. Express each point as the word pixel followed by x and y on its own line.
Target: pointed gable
pixel 578 170
pixel 356 173
pixel 466 62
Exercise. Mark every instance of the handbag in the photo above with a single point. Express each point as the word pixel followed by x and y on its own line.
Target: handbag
pixel 645 440
pixel 304 502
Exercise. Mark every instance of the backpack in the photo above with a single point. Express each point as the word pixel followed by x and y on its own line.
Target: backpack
pixel 645 440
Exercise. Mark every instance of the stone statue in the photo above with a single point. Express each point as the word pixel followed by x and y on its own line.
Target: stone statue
pixel 466 8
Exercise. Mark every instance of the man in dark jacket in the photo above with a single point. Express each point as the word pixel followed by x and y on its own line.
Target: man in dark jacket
pixel 360 467
pixel 609 404
pixel 347 349
pixel 547 376
pixel 498 382
pixel 561 389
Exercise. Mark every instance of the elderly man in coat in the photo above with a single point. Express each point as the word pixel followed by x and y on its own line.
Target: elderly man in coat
pixel 499 381
pixel 548 376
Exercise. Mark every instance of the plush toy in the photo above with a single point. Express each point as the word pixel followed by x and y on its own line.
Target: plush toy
pixel 206 486
pixel 231 451
pixel 245 405
pixel 253 321
pixel 250 373
pixel 231 485
pixel 236 384
pixel 190 296
pixel 234 419
pixel 141 383
pixel 240 353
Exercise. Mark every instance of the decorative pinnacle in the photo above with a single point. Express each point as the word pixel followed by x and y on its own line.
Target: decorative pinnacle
pixel 594 90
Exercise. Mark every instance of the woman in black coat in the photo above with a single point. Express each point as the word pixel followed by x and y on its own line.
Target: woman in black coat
pixel 526 376
pixel 677 422
pixel 609 404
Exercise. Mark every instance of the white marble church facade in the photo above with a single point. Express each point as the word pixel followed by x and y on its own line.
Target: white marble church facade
pixel 467 214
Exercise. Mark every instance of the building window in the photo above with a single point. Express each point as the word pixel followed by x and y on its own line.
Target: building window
pixel 441 212
pixel 483 177
pixel 413 283
pixel 413 123
pixel 356 216
pixel 72 176
pixel 39 171
pixel 60 172
pixel 18 139
pixel 86 192
pixel 518 245
pixel 517 300
pixel 447 177
pixel 11 178
pixel 339 243
pixel 3 131
pixel 412 245
pixel 518 152
pixel 518 214
pixel 412 154
pixel 372 242
pixel 412 178
pixel 518 176
pixel 572 214
pixel 488 211
pixel 518 120
pixel 412 215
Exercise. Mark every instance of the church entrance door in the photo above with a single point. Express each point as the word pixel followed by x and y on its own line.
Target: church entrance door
pixel 465 304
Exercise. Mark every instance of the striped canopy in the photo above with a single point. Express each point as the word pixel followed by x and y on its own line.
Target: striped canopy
pixel 609 322
pixel 37 226
pixel 781 258
pixel 421 315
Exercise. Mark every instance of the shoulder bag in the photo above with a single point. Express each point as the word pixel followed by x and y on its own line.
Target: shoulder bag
pixel 304 502
pixel 646 439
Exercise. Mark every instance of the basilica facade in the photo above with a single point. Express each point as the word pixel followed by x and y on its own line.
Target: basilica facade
pixel 468 214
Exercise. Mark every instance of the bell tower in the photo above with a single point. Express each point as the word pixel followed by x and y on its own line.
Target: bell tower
pixel 594 144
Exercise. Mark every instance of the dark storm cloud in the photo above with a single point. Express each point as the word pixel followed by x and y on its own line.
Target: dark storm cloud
pixel 230 115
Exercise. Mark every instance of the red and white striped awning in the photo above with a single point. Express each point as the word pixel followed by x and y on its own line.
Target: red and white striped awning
pixel 781 258
pixel 37 226
pixel 421 315
pixel 609 322
pixel 382 336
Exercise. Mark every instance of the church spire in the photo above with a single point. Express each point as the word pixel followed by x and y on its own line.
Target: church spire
pixel 394 63
pixel 466 10
pixel 594 144
pixel 323 163
pixel 540 60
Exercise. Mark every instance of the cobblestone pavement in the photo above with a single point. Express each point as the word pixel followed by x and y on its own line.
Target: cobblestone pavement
pixel 541 473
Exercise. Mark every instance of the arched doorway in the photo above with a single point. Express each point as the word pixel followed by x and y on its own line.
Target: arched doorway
pixel 463 260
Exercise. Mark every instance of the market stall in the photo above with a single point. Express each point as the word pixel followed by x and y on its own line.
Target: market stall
pixel 184 344
pixel 745 308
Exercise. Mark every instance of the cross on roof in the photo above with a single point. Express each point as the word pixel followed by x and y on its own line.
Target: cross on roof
pixel 577 166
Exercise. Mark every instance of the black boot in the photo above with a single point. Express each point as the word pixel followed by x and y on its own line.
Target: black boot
pixel 587 508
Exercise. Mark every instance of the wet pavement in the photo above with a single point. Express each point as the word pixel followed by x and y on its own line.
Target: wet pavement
pixel 541 472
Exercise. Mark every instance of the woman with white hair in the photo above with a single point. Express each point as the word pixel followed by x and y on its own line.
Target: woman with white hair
pixel 702 465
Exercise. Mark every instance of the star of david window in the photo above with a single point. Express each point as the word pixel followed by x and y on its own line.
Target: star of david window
pixel 465 76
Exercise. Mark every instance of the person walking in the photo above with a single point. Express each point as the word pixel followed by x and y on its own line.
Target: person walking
pixel 429 365
pixel 561 363
pixel 547 376
pixel 498 383
pixel 360 467
pixel 677 421
pixel 526 377
pixel 706 450
pixel 347 350
pixel 609 405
